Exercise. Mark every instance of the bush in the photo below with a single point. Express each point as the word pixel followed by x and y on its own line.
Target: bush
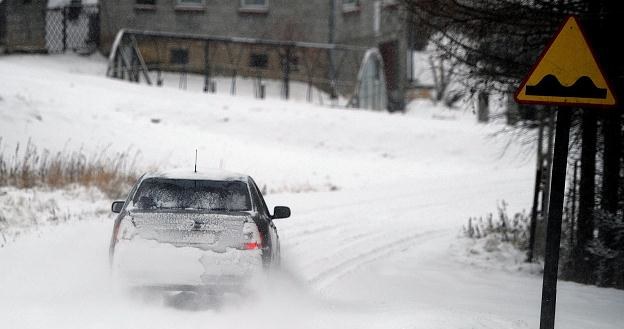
pixel 514 230
pixel 28 167
pixel 607 249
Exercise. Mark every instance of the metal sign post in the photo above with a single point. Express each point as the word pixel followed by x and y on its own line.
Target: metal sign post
pixel 566 74
pixel 555 209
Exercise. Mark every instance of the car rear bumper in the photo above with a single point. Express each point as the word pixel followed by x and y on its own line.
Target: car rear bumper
pixel 149 263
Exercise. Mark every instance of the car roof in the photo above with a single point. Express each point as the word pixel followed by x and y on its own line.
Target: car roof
pixel 204 174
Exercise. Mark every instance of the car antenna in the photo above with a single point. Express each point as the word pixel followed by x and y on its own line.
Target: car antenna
pixel 196 160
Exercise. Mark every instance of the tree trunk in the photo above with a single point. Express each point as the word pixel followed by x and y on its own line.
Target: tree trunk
pixel 612 128
pixel 610 186
pixel 537 189
pixel 549 160
pixel 483 106
pixel 612 149
pixel 582 261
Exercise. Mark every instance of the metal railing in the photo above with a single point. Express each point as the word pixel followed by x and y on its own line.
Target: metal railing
pixel 329 68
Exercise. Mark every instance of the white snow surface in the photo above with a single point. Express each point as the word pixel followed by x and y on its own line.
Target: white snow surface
pixel 24 211
pixel 375 253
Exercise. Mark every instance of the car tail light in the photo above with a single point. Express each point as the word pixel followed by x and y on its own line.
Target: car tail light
pixel 251 246
pixel 251 236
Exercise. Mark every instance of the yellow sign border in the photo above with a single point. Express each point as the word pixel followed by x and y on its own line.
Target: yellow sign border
pixel 520 93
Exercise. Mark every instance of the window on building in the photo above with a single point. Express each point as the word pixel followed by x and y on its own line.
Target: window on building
pixel 294 62
pixel 190 3
pixel 145 3
pixel 390 3
pixel 350 5
pixel 179 56
pixel 259 61
pixel 255 4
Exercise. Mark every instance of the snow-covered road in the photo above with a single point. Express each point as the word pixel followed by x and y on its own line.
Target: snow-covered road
pixel 373 241
pixel 378 258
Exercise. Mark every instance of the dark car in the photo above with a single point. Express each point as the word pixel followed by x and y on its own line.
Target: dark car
pixel 183 227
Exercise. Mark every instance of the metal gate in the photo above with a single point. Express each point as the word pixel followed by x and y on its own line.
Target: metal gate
pixel 73 27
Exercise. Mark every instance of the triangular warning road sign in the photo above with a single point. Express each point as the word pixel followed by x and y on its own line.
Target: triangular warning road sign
pixel 566 73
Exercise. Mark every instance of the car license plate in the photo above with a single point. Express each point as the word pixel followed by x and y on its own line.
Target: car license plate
pixel 199 237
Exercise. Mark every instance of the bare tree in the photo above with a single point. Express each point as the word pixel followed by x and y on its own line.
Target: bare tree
pixel 496 42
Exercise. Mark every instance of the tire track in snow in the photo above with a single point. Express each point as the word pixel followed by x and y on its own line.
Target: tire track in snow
pixel 354 235
pixel 314 227
pixel 346 245
pixel 346 253
pixel 355 261
pixel 331 241
pixel 306 229
pixel 467 192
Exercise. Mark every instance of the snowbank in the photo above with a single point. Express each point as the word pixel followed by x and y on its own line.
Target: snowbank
pixel 28 210
pixel 490 253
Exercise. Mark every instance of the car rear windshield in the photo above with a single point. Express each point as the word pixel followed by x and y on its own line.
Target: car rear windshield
pixel 159 193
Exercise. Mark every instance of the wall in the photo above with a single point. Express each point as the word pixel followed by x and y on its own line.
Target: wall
pixel 311 64
pixel 357 27
pixel 25 26
pixel 298 20
pixel 2 26
pixel 219 17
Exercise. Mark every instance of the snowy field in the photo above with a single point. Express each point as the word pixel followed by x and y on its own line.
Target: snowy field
pixel 378 202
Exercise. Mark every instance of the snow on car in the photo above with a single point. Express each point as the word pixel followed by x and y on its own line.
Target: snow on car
pixel 187 229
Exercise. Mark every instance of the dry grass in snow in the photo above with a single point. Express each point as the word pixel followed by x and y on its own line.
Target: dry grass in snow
pixel 27 167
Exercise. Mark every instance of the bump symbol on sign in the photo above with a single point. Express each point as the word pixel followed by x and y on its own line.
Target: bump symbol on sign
pixel 566 73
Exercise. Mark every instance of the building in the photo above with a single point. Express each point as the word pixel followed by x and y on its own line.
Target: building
pixel 23 26
pixel 363 23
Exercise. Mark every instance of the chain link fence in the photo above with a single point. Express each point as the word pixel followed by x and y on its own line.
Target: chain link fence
pixel 75 28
